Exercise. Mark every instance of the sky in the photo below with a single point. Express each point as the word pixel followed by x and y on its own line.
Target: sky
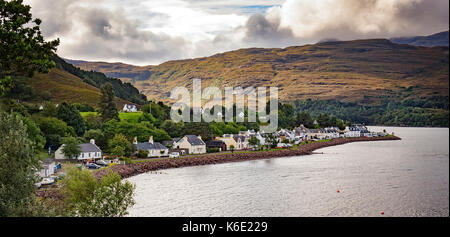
pixel 150 32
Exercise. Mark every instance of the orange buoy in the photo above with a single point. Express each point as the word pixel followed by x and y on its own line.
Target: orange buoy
pixel 382 213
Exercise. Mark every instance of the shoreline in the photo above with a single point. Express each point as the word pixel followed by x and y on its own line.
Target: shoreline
pixel 126 171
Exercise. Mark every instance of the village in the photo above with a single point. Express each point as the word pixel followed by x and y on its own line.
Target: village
pixel 93 158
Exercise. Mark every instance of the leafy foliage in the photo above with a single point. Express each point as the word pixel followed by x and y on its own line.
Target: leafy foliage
pixel 120 146
pixel 71 147
pixel 70 115
pixel 87 197
pixel 108 109
pixel 98 136
pixel 54 130
pixel 16 166
pixel 23 49
pixel 408 112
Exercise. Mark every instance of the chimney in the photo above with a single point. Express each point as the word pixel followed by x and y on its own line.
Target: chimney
pixel 199 137
pixel 135 141
pixel 92 141
pixel 150 140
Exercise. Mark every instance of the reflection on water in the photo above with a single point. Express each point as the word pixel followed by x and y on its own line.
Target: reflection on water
pixel 401 178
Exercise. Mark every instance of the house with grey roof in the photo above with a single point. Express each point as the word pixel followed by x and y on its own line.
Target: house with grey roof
pixel 89 151
pixel 194 144
pixel 241 142
pixel 154 149
pixel 356 130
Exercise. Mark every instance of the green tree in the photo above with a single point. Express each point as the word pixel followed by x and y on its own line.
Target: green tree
pixel 34 133
pixel 130 130
pixel 49 110
pixel 122 142
pixel 108 109
pixel 54 130
pixel 23 49
pixel 20 89
pixel 305 119
pixel 172 128
pixel 253 141
pixel 324 120
pixel 98 136
pixel 69 114
pixel 71 147
pixel 117 151
pixel 93 121
pixel 46 95
pixel 87 197
pixel 17 167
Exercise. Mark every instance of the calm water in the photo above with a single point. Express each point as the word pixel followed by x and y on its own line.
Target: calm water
pixel 402 178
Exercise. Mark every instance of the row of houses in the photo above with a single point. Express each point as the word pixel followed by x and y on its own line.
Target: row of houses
pixel 193 144
pixel 189 144
pixel 302 133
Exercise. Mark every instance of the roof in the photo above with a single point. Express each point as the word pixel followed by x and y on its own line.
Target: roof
pixel 215 143
pixel 130 106
pixel 194 140
pixel 150 146
pixel 89 147
pixel 237 137
pixel 174 140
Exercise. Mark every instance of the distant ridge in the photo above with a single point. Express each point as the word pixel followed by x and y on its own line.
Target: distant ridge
pixel 366 71
pixel 438 39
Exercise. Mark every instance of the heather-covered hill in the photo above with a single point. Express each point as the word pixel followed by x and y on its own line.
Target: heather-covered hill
pixel 350 71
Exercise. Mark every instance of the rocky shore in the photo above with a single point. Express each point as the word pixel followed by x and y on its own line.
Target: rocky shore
pixel 126 171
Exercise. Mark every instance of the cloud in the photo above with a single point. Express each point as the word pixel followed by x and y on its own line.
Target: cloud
pixel 145 32
pixel 350 19
pixel 92 32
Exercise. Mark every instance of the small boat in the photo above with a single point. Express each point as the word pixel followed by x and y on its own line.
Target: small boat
pixel 37 185
pixel 47 181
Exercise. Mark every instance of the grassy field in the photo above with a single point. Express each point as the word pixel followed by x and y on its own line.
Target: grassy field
pixel 129 117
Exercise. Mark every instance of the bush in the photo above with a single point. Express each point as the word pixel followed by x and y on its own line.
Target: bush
pixel 142 154
pixel 45 95
pixel 87 197
pixel 212 150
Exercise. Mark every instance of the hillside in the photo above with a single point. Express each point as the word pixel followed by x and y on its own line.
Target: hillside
pixel 439 39
pixel 123 90
pixel 351 71
pixel 64 86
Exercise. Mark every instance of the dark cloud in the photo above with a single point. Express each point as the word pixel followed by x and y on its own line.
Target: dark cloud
pixel 354 19
pixel 96 31
pixel 92 33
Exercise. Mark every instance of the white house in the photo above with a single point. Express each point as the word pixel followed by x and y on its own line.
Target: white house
pixel 241 142
pixel 155 149
pixel 356 130
pixel 194 144
pixel 89 151
pixel 331 132
pixel 129 108
pixel 48 168
pixel 261 138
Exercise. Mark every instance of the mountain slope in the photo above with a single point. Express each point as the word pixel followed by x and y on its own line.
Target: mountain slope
pixel 438 39
pixel 64 86
pixel 122 90
pixel 352 71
